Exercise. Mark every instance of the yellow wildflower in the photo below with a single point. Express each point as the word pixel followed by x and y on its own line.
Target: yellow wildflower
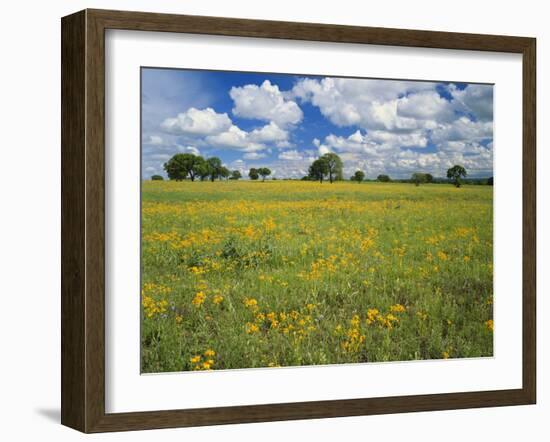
pixel 251 303
pixel 199 299
pixel 397 308
pixel 196 270
pixel 372 313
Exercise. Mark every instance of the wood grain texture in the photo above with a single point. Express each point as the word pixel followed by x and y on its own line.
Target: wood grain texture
pixel 529 220
pixel 73 254
pixel 83 219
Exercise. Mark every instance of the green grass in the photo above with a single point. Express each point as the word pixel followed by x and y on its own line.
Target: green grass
pixel 287 273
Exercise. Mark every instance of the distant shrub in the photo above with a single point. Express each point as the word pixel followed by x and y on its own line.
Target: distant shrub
pixel 358 176
pixel 157 178
pixel 418 178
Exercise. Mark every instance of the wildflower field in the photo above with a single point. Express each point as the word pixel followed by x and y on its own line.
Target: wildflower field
pixel 239 274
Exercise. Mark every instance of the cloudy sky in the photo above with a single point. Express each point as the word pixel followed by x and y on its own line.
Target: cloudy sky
pixel 284 122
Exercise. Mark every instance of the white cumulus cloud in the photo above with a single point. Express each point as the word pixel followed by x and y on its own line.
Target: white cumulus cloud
pixel 369 104
pixel 475 98
pixel 291 155
pixel 197 122
pixel 254 156
pixel 265 102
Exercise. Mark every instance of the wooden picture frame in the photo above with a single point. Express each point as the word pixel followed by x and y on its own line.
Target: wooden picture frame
pixel 83 220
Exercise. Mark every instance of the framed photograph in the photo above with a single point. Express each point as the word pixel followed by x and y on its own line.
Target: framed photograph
pixel 268 220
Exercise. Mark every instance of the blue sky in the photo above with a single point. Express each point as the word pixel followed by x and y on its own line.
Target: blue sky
pixel 285 121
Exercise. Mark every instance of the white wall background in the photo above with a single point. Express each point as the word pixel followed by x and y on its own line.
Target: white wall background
pixel 30 216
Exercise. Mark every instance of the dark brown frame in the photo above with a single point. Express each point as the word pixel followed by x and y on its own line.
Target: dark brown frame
pixel 83 216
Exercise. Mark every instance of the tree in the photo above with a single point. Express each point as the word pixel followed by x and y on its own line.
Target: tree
pixel 253 174
pixel 334 165
pixel 490 181
pixel 318 170
pixel 418 178
pixel 224 172
pixel 177 167
pixel 214 166
pixel 235 175
pixel 358 176
pixel 197 165
pixel 383 178
pixel 182 165
pixel 264 171
pixel 202 170
pixel 157 178
pixel 429 178
pixel 455 174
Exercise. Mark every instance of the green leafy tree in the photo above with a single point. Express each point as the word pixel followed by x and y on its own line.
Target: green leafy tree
pixel 177 168
pixel 455 174
pixel 358 176
pixel 202 170
pixel 429 178
pixel 264 171
pixel 334 165
pixel 183 165
pixel 157 178
pixel 235 175
pixel 418 178
pixel 318 170
pixel 383 178
pixel 197 164
pixel 253 174
pixel 490 181
pixel 215 167
pixel 224 172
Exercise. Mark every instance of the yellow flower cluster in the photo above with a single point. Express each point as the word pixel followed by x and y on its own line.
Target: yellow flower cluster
pixel 251 304
pixel 372 314
pixel 366 244
pixel 354 337
pixel 321 267
pixel 205 361
pixel 397 308
pixel 152 307
pixel 490 325
pixel 251 328
pixel 150 289
pixel 199 299
pixel 294 323
pixel 388 320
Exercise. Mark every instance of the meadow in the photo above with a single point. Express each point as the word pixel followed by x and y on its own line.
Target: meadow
pixel 240 274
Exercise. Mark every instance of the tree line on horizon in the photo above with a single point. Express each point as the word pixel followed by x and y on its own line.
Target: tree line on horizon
pixel 328 166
